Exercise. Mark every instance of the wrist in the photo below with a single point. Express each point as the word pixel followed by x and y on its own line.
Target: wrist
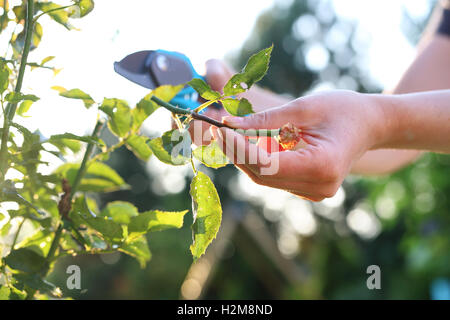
pixel 385 120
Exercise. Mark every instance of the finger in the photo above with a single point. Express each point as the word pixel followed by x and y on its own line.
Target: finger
pixel 305 165
pixel 303 190
pixel 273 118
pixel 269 144
pixel 217 74
pixel 199 132
pixel 286 175
pixel 306 197
pixel 237 148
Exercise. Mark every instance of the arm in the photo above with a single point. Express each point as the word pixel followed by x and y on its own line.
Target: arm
pixel 338 126
pixel 429 71
pixel 415 121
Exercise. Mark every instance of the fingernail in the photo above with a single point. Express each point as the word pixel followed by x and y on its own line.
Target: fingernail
pixel 232 121
pixel 215 133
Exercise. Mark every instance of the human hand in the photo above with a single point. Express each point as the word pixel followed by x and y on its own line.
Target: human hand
pixel 337 126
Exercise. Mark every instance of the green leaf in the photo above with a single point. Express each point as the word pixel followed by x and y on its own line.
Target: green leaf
pixel 26 260
pixel 71 136
pixel 10 193
pixel 47 59
pixel 19 43
pixel 109 229
pixel 4 231
pixel 173 147
pixel 99 177
pixel 62 144
pixel 15 97
pixel 75 94
pixel 138 249
pixel 11 293
pixel 211 155
pixel 73 241
pixel 39 242
pixel 143 110
pixel 60 16
pixel 138 145
pixel 4 76
pixel 24 107
pixel 83 8
pixel 155 220
pixel 120 211
pixel 82 208
pixel 207 213
pixel 37 35
pixel 120 117
pixel 167 92
pixel 35 282
pixel 2 216
pixel 20 12
pixel 254 70
pixel 237 107
pixel 203 89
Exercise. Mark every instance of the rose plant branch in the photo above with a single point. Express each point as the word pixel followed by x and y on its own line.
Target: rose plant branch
pixel 196 116
pixel 11 107
pixel 81 171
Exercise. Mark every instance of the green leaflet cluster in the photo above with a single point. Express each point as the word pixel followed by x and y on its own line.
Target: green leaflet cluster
pixel 60 206
pixel 254 70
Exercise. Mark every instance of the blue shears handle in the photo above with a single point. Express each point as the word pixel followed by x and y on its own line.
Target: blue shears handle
pixel 188 97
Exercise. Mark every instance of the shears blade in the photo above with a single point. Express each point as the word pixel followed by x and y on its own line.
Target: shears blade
pixel 153 68
pixel 133 67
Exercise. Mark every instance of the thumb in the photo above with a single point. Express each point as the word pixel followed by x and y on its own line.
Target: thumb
pixel 271 119
pixel 217 74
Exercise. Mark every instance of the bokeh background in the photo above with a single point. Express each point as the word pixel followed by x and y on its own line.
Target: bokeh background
pixel 272 245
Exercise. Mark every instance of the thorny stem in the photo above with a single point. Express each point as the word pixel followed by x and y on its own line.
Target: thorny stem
pixel 80 174
pixel 195 115
pixel 198 109
pixel 11 107
pixel 87 155
pixel 110 149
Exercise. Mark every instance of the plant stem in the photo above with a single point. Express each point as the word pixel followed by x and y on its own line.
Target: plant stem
pixel 87 155
pixel 195 115
pixel 110 149
pixel 191 113
pixel 193 165
pixel 205 105
pixel 54 245
pixel 177 121
pixel 11 107
pixel 80 174
pixel 16 236
pixel 52 10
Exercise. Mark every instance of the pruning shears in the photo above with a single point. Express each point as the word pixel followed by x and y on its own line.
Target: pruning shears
pixel 153 68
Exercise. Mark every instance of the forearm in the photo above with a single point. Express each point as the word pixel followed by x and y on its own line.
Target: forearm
pixel 414 121
pixel 429 71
